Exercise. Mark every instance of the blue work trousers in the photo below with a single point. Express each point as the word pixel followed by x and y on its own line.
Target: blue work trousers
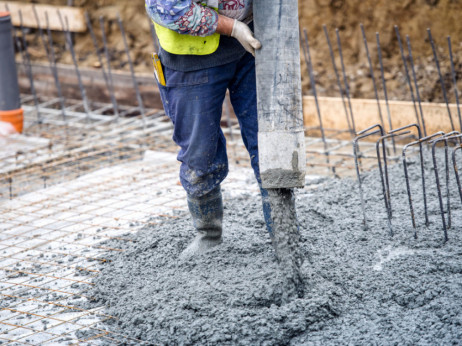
pixel 194 103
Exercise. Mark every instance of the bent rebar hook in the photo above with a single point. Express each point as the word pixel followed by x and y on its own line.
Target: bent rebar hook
pixel 456 170
pixel 438 186
pixel 384 180
pixel 419 132
pixel 420 141
pixel 360 135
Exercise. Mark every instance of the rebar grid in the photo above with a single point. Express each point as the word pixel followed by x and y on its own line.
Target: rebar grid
pixel 51 238
pixel 75 146
pixel 65 149
pixel 49 244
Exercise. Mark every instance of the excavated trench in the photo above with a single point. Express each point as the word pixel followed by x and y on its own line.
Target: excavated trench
pixel 361 287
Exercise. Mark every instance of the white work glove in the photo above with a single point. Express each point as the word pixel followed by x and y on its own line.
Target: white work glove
pixel 244 35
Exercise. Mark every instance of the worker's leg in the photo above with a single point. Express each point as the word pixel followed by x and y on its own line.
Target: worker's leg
pixel 243 96
pixel 193 101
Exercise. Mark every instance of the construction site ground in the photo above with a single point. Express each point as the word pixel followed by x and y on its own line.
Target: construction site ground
pixel 93 216
pixel 361 286
pixel 94 259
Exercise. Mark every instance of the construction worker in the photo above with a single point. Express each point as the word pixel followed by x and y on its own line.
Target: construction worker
pixel 207 48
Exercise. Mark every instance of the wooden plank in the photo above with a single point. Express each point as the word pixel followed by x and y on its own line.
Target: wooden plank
pixel 94 83
pixel 366 114
pixel 75 16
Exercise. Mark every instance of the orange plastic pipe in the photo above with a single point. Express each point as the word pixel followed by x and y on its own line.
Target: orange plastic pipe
pixel 15 117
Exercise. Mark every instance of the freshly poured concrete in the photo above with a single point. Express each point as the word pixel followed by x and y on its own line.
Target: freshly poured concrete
pixel 361 287
pixel 50 245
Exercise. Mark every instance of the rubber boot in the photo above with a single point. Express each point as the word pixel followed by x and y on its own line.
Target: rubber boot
pixel 207 215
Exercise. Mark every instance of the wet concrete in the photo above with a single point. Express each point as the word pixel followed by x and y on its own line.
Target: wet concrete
pixel 286 242
pixel 361 287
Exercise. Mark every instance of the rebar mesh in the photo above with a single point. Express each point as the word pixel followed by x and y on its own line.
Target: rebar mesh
pixel 66 186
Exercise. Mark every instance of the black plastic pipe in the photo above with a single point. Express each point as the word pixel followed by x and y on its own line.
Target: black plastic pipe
pixel 9 88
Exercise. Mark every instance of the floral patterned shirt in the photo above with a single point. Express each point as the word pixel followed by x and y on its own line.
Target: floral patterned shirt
pixel 192 18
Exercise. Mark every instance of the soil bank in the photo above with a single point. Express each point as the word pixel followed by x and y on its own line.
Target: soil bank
pixel 361 287
pixel 412 16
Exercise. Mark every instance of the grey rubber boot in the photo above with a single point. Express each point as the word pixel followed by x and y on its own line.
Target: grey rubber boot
pixel 207 215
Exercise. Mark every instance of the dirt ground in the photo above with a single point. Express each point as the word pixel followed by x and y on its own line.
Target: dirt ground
pixel 412 16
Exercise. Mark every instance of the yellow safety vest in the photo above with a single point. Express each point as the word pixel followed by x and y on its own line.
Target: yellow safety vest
pixel 182 44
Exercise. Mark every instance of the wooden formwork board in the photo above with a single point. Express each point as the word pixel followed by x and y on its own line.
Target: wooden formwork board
pixel 366 114
pixel 332 111
pixel 93 82
pixel 75 16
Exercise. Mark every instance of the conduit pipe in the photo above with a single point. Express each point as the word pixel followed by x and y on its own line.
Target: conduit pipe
pixel 10 106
